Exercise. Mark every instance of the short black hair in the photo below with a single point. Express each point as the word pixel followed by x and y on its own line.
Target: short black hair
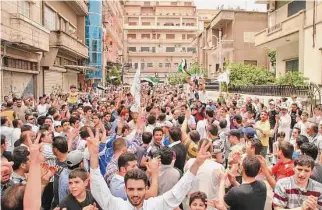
pixel 87 108
pixel 198 195
pixel 52 110
pixel 64 121
pixel 136 174
pixel 175 133
pixel 4 120
pixel 156 129
pixel 73 120
pixel 15 123
pixel 125 158
pixel 304 160
pixel 166 155
pixel 310 149
pixel 251 166
pixel 41 120
pixel 147 137
pixel 257 144
pixel 181 119
pixel 212 129
pixel 61 144
pixel 19 156
pixel 25 128
pixel 238 118
pixel 210 113
pixel 194 136
pixel 223 123
pixel 3 139
pixel 12 198
pixel 301 139
pixel 151 119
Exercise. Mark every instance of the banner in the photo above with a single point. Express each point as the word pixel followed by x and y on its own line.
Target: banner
pixel 136 90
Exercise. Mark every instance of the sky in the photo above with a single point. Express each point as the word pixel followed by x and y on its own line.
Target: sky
pixel 243 4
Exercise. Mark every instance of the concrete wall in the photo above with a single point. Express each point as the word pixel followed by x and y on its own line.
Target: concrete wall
pixel 63 9
pixel 248 22
pixel 283 53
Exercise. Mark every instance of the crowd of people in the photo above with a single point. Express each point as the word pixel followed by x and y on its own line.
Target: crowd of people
pixel 179 149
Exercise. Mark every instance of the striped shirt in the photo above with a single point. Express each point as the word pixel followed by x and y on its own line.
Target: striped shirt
pixel 288 195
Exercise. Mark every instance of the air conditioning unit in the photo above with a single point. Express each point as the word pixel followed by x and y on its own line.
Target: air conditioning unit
pixel 271 6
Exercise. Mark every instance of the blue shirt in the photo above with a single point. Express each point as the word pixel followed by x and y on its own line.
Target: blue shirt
pixel 63 187
pixel 166 141
pixel 117 187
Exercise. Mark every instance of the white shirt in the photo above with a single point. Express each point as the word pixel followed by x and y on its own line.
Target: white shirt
pixel 15 135
pixel 7 132
pixel 201 128
pixel 285 125
pixel 42 109
pixel 168 201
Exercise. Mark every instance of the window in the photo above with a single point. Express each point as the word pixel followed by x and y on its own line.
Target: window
pixel 183 49
pixel 190 36
pixel 131 36
pixel 146 3
pixel 292 65
pixel 183 36
pixel 175 64
pixel 187 4
pixel 250 62
pixel 168 65
pixel 132 49
pixel 145 36
pixel 136 65
pixel 153 49
pixel 24 8
pixel 170 36
pixel 150 65
pixel 142 65
pixel 50 19
pixel 146 23
pixel 170 49
pixel 174 3
pixel 145 49
pixel 160 65
pixel 294 7
pixel 20 64
pixel 191 49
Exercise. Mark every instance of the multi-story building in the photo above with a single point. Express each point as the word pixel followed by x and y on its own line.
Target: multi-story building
pixel 112 33
pixel 205 16
pixel 294 31
pixel 23 40
pixel 94 41
pixel 67 50
pixel 230 37
pixel 157 35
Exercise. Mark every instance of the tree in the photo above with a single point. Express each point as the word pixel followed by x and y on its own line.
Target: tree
pixel 196 68
pixel 272 58
pixel 292 78
pixel 245 75
pixel 177 78
pixel 113 75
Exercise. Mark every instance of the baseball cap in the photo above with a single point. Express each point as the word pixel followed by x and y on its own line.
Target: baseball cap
pixel 57 123
pixel 74 158
pixel 167 124
pixel 234 132
pixel 249 131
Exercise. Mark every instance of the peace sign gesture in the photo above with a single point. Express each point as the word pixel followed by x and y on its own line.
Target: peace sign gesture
pixel 202 156
pixel 93 147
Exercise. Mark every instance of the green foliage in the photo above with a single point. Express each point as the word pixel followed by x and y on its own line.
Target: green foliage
pixel 246 75
pixel 293 78
pixel 113 71
pixel 177 78
pixel 272 58
pixel 196 68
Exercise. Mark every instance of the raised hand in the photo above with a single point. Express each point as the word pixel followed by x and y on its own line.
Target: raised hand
pixel 93 142
pixel 216 204
pixel 203 153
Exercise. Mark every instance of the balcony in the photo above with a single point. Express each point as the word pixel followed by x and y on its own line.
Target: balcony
pixel 110 27
pixel 159 41
pixel 161 27
pixel 161 54
pixel 221 19
pixel 80 7
pixel 68 43
pixel 26 34
pixel 287 29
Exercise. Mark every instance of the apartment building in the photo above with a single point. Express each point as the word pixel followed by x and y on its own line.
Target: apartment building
pixel 205 16
pixel 112 33
pixel 294 31
pixel 23 40
pixel 42 46
pixel 157 35
pixel 230 37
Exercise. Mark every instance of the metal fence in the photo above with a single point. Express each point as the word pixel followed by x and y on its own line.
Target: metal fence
pixel 272 90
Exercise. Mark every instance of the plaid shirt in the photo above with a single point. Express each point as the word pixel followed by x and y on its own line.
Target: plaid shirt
pixel 111 169
pixel 288 195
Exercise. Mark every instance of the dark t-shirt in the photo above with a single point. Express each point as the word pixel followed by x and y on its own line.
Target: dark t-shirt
pixel 181 154
pixel 59 167
pixel 70 202
pixel 294 115
pixel 242 197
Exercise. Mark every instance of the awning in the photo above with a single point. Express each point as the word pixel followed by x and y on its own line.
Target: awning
pixel 80 68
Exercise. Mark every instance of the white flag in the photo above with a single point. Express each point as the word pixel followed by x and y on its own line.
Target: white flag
pixel 136 90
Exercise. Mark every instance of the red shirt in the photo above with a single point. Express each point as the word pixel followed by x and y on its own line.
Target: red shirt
pixel 282 170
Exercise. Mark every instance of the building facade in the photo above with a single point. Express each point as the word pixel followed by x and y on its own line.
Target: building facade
pixel 157 35
pixel 94 39
pixel 112 34
pixel 230 37
pixel 294 31
pixel 23 41
pixel 42 46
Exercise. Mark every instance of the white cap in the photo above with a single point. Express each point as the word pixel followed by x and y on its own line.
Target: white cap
pixel 167 124
pixel 57 123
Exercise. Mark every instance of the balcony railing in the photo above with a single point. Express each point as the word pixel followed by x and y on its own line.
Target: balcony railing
pixel 275 28
pixel 225 45
pixel 161 26
pixel 69 43
pixel 161 53
pixel 28 34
